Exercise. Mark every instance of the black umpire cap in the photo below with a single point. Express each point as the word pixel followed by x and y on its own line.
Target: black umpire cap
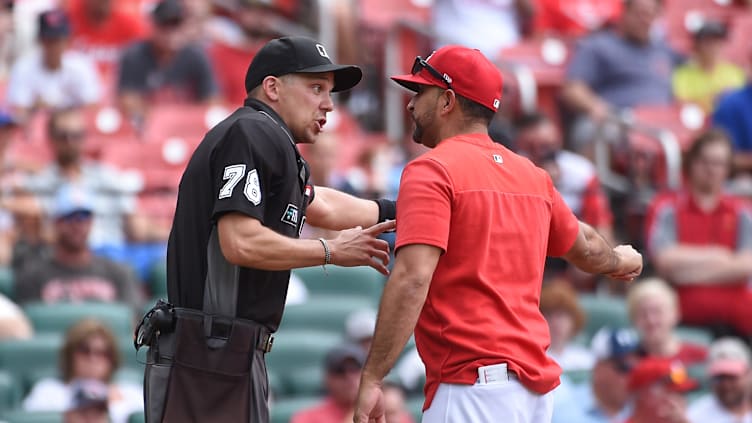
pixel 285 55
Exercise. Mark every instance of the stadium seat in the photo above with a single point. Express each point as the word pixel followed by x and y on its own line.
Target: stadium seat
pixel 282 410
pixel 296 351
pixel 22 416
pixel 158 281
pixel 684 16
pixel 22 357
pixel 325 313
pixel 415 407
pixel 6 282
pixel 137 417
pixel 343 281
pixel 57 318
pixel 129 358
pixel 603 311
pixel 695 335
pixel 10 391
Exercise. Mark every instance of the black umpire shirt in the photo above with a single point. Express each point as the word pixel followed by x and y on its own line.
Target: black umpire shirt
pixel 249 164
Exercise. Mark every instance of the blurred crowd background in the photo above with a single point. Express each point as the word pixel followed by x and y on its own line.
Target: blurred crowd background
pixel 640 110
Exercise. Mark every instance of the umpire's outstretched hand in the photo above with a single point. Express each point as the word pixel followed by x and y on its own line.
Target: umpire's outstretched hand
pixel 360 247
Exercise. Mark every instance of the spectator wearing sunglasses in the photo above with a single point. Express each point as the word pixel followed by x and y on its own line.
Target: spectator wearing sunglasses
pixel 73 273
pixel 89 358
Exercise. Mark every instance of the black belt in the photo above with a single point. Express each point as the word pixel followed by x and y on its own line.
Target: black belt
pixel 219 326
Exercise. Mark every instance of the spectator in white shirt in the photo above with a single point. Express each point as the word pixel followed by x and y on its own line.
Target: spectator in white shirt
pixel 730 380
pixel 54 76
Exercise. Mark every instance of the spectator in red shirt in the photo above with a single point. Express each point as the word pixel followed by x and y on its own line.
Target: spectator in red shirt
pixel 101 29
pixel 654 311
pixel 476 222
pixel 575 17
pixel 700 240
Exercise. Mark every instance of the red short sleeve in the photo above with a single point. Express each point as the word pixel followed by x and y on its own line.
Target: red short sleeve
pixel 564 227
pixel 424 205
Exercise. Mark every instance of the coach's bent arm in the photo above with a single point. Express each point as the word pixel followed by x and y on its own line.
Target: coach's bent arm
pixel 592 253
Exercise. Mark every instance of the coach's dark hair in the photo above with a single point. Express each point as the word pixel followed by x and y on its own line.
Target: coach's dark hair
pixel 714 135
pixel 475 111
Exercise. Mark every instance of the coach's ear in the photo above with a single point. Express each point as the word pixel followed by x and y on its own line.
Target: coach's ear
pixel 447 102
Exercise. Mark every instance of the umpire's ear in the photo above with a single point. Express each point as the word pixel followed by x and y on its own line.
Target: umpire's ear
pixel 271 87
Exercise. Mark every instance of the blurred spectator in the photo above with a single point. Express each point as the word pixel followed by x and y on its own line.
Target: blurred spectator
pixel 700 239
pixel 574 176
pixel 359 328
pixel 101 29
pixel 7 38
pixel 89 403
pixel 13 321
pixel 657 386
pixel 488 25
pixel 115 203
pixel 166 68
pixel 322 158
pixel 575 17
pixel 89 353
pixel 342 367
pixel 733 113
pixel 394 404
pixel 616 69
pixel 73 273
pixel 654 311
pixel 565 318
pixel 55 77
pixel 605 399
pixel 707 74
pixel 730 379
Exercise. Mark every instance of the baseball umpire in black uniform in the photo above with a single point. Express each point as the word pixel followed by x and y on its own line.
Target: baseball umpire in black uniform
pixel 242 202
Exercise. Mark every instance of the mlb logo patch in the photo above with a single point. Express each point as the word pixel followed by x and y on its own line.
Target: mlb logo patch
pixel 290 216
pixel 498 159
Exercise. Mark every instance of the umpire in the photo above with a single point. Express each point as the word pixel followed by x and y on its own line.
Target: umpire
pixel 242 203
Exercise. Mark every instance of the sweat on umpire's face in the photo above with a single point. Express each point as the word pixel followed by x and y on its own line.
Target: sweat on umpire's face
pixel 295 77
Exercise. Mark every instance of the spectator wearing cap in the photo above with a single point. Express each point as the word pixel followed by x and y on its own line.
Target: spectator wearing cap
pixel 165 68
pixel 89 403
pixel 657 386
pixel 565 319
pixel 706 75
pixel 89 359
pixel 359 327
pixel 617 69
pixel 394 404
pixel 731 384
pixel 102 28
pixel 654 311
pixel 73 273
pixel 342 368
pixel 605 398
pixel 56 76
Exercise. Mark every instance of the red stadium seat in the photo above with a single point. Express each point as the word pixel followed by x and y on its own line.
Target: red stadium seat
pixel 737 48
pixel 383 14
pixel 230 64
pixel 186 121
pixel 684 16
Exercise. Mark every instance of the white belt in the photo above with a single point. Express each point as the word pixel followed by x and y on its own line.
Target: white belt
pixel 496 373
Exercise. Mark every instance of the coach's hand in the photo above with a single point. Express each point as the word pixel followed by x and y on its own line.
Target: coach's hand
pixel 360 247
pixel 370 405
pixel 630 263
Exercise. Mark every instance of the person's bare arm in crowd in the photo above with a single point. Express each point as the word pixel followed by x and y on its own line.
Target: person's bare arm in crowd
pixel 404 295
pixel 580 97
pixel 592 253
pixel 244 241
pixel 691 264
pixel 336 210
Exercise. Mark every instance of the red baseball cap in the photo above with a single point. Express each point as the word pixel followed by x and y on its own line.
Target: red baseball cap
pixel 652 370
pixel 467 71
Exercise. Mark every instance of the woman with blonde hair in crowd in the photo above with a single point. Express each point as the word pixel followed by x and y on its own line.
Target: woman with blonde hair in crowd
pixel 89 353
pixel 654 311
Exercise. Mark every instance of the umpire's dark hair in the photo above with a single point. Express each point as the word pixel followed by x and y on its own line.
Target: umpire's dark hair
pixel 530 120
pixel 475 111
pixel 713 135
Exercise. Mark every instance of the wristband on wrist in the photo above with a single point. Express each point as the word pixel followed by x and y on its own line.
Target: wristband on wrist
pixel 387 209
pixel 327 253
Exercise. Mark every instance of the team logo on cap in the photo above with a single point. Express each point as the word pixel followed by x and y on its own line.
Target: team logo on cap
pixel 496 103
pixel 322 51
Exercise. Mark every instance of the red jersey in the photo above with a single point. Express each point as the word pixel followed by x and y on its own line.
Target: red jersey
pixel 103 41
pixel 496 216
